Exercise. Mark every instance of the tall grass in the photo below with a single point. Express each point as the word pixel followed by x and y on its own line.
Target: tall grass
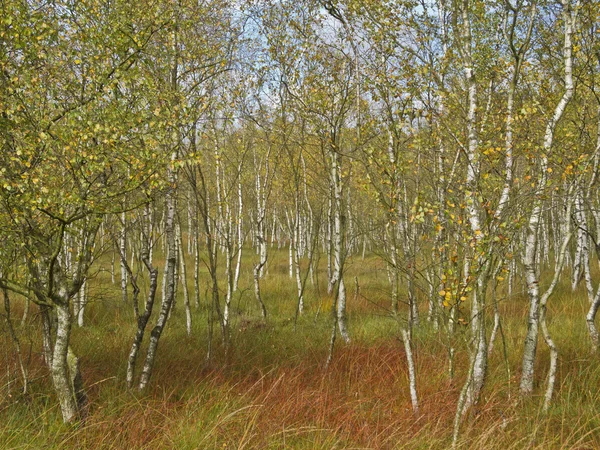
pixel 271 389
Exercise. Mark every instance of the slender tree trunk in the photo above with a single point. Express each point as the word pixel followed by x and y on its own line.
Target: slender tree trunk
pixel 196 265
pixel 47 343
pixel 530 262
pixel 186 293
pixel 338 241
pixel 240 231
pixel 143 318
pixel 25 312
pixel 591 320
pixel 16 342
pixel 543 324
pixel 142 322
pixel 82 301
pixel 412 376
pixel 262 244
pixel 170 266
pixel 329 249
pixel 299 283
pixel 123 250
pixel 475 382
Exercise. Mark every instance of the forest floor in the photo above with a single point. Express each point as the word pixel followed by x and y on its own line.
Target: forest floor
pixel 271 390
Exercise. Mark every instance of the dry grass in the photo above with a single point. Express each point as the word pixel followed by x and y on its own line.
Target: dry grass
pixel 271 390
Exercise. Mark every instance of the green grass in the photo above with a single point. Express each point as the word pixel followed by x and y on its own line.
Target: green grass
pixel 271 391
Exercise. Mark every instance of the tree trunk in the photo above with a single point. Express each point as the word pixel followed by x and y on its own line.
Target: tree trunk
pixel 170 267
pixel 186 293
pixel 531 245
pixel 123 250
pixel 338 241
pixel 66 377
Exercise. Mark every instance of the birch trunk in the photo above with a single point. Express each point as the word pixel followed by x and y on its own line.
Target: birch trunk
pixel 47 342
pixel 543 310
pixel 338 251
pixel 299 283
pixel 16 341
pixel 476 379
pixel 531 243
pixel 170 266
pixel 595 212
pixel 412 376
pixel 196 263
pixel 66 377
pixel 240 231
pixel 82 301
pixel 186 293
pixel 123 250
pixel 143 318
pixel 262 188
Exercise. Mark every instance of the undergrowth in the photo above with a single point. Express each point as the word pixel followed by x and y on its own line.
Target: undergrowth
pixel 271 390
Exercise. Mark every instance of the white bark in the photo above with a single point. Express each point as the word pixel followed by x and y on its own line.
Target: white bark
pixel 240 231
pixel 123 250
pixel 82 300
pixel 186 294
pixel 543 309
pixel 530 262
pixel 329 249
pixel 595 212
pixel 475 382
pixel 262 190
pixel 196 263
pixel 65 368
pixel 299 284
pixel 338 241
pixel 518 53
pixel 170 266
pixel 412 376
pixel 143 318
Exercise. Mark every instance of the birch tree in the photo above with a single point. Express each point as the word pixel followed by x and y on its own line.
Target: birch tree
pixel 530 263
pixel 64 116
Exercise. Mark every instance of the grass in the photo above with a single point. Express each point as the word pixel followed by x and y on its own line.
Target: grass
pixel 271 391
